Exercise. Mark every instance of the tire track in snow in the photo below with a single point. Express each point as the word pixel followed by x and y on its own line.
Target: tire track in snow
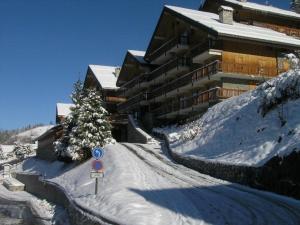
pixel 180 182
pixel 258 215
pixel 295 211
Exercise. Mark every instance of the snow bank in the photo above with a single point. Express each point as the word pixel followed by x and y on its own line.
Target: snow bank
pixel 246 130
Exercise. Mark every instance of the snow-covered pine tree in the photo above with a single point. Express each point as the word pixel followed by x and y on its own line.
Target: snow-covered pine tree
pixel 62 146
pixel 86 127
pixel 295 5
pixel 92 125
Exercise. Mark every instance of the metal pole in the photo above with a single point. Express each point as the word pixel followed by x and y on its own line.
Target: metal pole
pixel 96 186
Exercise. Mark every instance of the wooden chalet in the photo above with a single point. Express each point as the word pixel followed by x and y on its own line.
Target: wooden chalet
pixel 246 12
pixel 62 111
pixel 197 58
pixel 46 141
pixel 104 79
pixel 46 150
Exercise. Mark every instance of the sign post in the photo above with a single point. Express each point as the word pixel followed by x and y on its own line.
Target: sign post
pixel 97 165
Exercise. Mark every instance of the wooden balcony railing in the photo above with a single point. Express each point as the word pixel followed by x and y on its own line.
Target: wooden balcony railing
pixel 136 81
pixel 118 118
pixel 132 101
pixel 176 63
pixel 115 99
pixel 212 95
pixel 175 42
pixel 209 44
pixel 249 69
pixel 189 78
pixel 211 69
pixel 230 92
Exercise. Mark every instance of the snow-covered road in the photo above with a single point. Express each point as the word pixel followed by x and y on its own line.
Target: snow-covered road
pixel 198 198
pixel 142 186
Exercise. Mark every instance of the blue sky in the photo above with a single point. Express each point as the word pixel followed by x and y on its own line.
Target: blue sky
pixel 45 46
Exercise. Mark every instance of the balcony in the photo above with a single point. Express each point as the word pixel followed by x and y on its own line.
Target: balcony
pixel 205 50
pixel 140 99
pixel 110 99
pixel 186 82
pixel 135 84
pixel 169 70
pixel 195 103
pixel 165 51
pixel 118 119
pixel 208 73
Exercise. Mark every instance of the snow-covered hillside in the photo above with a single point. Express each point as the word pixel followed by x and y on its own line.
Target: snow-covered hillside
pixel 28 136
pixel 246 130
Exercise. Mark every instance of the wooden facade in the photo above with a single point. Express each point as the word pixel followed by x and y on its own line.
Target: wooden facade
pixel 45 148
pixel 192 67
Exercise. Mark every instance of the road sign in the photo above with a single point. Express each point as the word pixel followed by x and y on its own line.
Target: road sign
pixel 97 153
pixel 98 165
pixel 95 174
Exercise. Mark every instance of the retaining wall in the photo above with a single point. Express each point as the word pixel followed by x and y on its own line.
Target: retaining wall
pixel 135 134
pixel 22 210
pixel 280 175
pixel 56 194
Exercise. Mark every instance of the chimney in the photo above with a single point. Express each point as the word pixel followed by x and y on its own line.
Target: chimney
pixel 226 14
pixel 117 71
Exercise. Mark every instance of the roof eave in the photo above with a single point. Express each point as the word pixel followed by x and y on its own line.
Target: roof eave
pixel 192 22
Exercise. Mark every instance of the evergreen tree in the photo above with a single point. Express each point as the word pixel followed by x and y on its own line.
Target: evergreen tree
pixel 62 146
pixel 86 127
pixel 92 126
pixel 295 5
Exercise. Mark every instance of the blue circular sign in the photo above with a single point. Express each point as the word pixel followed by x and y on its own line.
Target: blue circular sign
pixel 98 153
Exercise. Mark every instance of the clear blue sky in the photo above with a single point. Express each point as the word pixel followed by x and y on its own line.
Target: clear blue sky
pixel 45 46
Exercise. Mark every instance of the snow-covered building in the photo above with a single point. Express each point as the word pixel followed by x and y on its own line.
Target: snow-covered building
pixel 198 58
pixel 104 79
pixel 268 16
pixel 46 141
pixel 62 111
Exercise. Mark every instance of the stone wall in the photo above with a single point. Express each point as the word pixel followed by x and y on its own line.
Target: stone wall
pixel 22 210
pixel 280 174
pixel 45 148
pixel 56 194
pixel 135 134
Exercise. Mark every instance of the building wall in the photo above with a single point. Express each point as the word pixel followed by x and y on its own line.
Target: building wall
pixel 45 149
pixel 249 59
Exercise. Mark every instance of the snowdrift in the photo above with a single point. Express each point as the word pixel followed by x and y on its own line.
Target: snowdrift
pixel 246 130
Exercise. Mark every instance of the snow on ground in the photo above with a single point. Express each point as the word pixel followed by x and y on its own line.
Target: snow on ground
pixel 34 132
pixel 28 136
pixel 236 132
pixel 144 187
pixel 49 212
pixel 7 149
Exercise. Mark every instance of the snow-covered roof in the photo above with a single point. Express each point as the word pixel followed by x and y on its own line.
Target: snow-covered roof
pixel 106 75
pixel 226 8
pixel 238 30
pixel 139 55
pixel 63 109
pixel 265 8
